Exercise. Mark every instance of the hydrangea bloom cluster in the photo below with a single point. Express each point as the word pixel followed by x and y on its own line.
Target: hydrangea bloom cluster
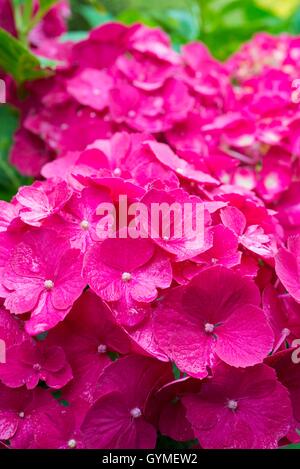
pixel 114 341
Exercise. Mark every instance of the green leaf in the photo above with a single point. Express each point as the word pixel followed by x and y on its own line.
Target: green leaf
pixel 45 5
pixel 10 179
pixel 17 60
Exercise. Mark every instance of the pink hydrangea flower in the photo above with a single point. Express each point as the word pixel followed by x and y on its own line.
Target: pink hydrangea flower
pixel 35 420
pixel 174 235
pixel 239 409
pixel 88 344
pixel 41 200
pixel 252 237
pixel 42 280
pixel 155 112
pixel 113 272
pixel 29 153
pixel 119 418
pixel 28 362
pixel 123 114
pixel 78 220
pixel 288 374
pixel 172 420
pixel 91 88
pixel 215 315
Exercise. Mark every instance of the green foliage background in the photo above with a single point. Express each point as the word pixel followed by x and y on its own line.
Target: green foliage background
pixel 222 24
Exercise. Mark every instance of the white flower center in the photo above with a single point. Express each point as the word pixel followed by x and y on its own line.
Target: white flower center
pixel 131 113
pixel 209 328
pixel 84 224
pixel 285 331
pixel 102 348
pixel 136 412
pixel 232 404
pixel 117 172
pixel 126 276
pixel 37 367
pixel 48 284
pixel 72 443
pixel 21 415
pixel 271 181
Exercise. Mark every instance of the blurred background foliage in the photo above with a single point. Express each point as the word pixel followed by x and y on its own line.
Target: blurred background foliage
pixel 222 24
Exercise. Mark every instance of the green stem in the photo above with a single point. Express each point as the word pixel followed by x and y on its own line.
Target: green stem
pixel 27 12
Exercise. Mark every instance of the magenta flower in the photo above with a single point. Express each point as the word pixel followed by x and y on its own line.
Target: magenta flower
pixel 155 112
pixel 288 373
pixel 88 344
pixel 78 219
pixel 113 272
pixel 29 153
pixel 239 409
pixel 42 280
pixel 201 283
pixel 8 241
pixel 287 266
pixel 41 200
pixel 119 418
pixel 145 72
pixel 22 415
pixel 215 316
pixel 91 87
pixel 181 167
pixel 28 362
pixel 252 237
pixel 35 420
pixel 174 235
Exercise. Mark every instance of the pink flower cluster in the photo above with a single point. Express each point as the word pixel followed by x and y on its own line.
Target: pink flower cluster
pixel 111 342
